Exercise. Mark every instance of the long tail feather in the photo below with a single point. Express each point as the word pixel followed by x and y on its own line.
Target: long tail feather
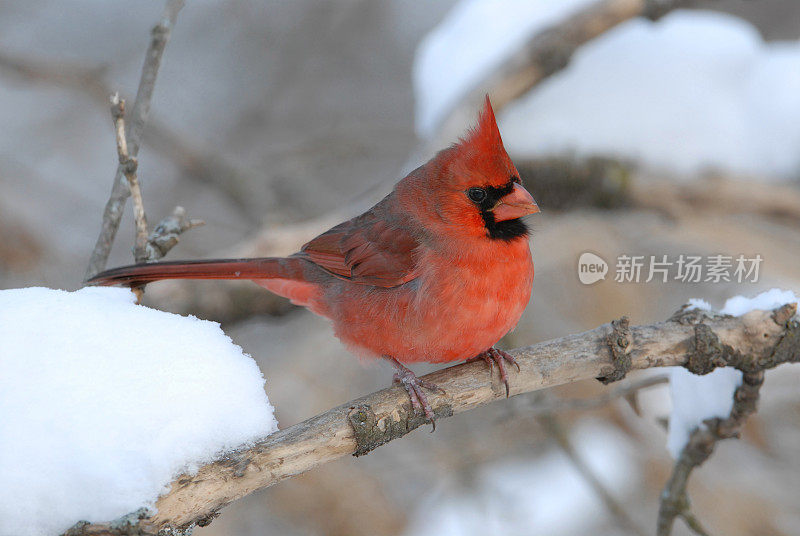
pixel 262 268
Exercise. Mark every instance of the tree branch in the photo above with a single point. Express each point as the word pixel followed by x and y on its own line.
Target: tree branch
pixel 115 206
pixel 362 425
pixel 675 499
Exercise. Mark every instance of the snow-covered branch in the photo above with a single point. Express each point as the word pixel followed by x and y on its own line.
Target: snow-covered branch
pixel 699 340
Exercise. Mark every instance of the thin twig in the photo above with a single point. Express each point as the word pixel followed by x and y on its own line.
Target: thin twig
pixel 147 248
pixel 129 167
pixel 555 429
pixel 112 215
pixel 152 62
pixel 369 422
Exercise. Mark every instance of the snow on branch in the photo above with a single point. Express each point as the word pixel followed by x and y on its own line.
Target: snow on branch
pixel 699 340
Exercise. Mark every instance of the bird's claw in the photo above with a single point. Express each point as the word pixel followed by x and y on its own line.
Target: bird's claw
pixel 494 355
pixel 414 387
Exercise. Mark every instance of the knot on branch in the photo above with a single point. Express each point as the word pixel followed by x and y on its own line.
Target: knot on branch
pixel 129 165
pixel 167 233
pixel 372 431
pixel 620 342
pixel 207 519
pixel 708 352
pixel 788 348
pixel 784 314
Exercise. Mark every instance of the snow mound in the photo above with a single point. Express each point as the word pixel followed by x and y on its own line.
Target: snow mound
pixel 473 39
pixel 697 398
pixel 691 92
pixel 103 402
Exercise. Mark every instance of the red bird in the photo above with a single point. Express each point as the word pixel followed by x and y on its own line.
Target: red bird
pixel 437 271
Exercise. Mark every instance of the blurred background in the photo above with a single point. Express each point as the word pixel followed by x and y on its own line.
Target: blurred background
pixel 272 119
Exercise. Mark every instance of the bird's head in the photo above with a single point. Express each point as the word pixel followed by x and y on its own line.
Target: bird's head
pixel 475 187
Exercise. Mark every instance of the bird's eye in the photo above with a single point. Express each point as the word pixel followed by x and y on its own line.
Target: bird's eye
pixel 476 194
pixel 516 179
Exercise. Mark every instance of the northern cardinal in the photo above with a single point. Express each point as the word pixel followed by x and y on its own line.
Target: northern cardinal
pixel 437 271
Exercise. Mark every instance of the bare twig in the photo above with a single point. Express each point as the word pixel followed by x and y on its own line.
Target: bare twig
pixel 152 62
pixel 369 422
pixel 675 499
pixel 112 214
pixel 551 423
pixel 147 248
pixel 129 166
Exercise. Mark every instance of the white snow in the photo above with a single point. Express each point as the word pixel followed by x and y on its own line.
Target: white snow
pixel 739 305
pixel 474 38
pixel 697 398
pixel 542 496
pixel 693 91
pixel 103 402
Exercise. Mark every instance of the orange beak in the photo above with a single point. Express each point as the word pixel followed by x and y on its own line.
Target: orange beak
pixel 514 205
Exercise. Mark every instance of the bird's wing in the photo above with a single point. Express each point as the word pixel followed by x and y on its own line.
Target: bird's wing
pixel 375 248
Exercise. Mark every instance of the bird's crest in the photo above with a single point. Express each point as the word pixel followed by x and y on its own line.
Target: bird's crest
pixel 480 155
pixel 484 138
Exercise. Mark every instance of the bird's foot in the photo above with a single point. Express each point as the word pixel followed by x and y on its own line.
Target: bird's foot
pixel 414 387
pixel 494 356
